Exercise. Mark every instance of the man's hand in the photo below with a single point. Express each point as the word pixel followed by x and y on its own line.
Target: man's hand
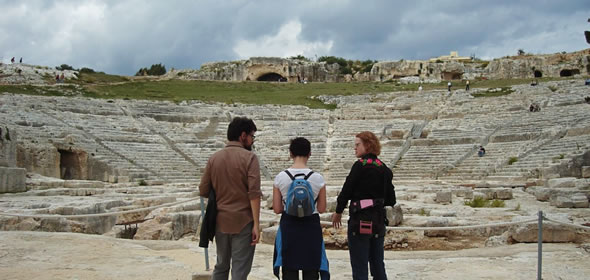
pixel 336 223
pixel 255 235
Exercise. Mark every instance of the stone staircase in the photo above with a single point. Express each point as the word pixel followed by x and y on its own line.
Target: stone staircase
pixel 426 135
pixel 530 166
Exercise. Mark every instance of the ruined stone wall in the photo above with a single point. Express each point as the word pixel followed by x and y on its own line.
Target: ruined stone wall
pixel 39 158
pixel 256 67
pixel 572 168
pixel 7 147
pixel 12 178
pixel 548 66
pixel 554 65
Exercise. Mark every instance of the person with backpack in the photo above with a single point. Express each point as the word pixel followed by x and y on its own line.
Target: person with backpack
pixel 300 195
pixel 368 187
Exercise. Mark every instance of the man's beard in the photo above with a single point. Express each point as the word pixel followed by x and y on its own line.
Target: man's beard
pixel 246 146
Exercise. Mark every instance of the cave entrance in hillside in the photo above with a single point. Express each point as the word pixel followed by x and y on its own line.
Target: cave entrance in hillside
pixel 451 76
pixel 569 72
pixel 70 167
pixel 538 74
pixel 271 77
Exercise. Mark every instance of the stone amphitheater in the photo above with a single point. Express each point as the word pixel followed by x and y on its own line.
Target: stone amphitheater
pixel 89 157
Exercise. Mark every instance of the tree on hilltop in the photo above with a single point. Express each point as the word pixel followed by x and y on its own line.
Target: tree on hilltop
pixel 64 67
pixel 349 66
pixel 300 57
pixel 154 70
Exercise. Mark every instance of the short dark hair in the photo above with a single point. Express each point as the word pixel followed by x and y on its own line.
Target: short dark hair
pixel 300 147
pixel 239 125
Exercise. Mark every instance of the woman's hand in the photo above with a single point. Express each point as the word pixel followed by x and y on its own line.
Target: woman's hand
pixel 336 223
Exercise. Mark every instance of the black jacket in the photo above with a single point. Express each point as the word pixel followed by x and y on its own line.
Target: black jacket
pixel 369 178
pixel 209 221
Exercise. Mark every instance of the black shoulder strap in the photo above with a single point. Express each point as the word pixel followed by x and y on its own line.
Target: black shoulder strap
pixel 297 175
pixel 289 174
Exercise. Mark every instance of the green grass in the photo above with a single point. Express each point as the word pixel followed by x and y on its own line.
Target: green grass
pixel 476 202
pixel 497 203
pixel 512 160
pixel 480 202
pixel 98 77
pixel 237 92
pixel 101 85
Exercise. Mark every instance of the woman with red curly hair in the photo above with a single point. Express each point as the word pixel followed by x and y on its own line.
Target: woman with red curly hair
pixel 369 189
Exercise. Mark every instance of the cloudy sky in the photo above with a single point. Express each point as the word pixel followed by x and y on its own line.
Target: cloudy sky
pixel 121 36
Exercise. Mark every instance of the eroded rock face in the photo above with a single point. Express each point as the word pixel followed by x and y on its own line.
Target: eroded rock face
pixel 395 215
pixel 551 234
pixel 12 178
pixel 21 73
pixel 259 68
pixel 39 158
pixel 525 66
pixel 168 225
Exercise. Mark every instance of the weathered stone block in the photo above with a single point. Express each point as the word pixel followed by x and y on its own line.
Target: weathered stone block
pixel 551 234
pixel 497 240
pixel 480 195
pixel 83 184
pixel 269 235
pixel 437 222
pixel 123 179
pixel 486 194
pixel 394 215
pixel 568 182
pixel 159 228
pixel 443 213
pixel 464 192
pixel 12 180
pixel 503 194
pixel 8 147
pixel 562 202
pixel 580 201
pixel 585 171
pixel 112 179
pixel 444 197
pixel 184 223
pixel 542 194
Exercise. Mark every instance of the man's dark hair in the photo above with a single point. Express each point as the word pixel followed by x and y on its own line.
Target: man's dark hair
pixel 300 147
pixel 239 125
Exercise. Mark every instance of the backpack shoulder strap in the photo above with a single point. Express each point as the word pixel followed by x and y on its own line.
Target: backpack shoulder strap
pixel 289 174
pixel 308 175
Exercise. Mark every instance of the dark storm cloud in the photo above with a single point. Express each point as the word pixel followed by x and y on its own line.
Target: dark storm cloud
pixel 122 36
pixel 423 29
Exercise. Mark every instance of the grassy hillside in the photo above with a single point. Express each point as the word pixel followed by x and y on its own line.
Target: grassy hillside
pixel 100 85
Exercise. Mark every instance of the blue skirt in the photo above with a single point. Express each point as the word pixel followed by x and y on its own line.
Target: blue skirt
pixel 299 245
